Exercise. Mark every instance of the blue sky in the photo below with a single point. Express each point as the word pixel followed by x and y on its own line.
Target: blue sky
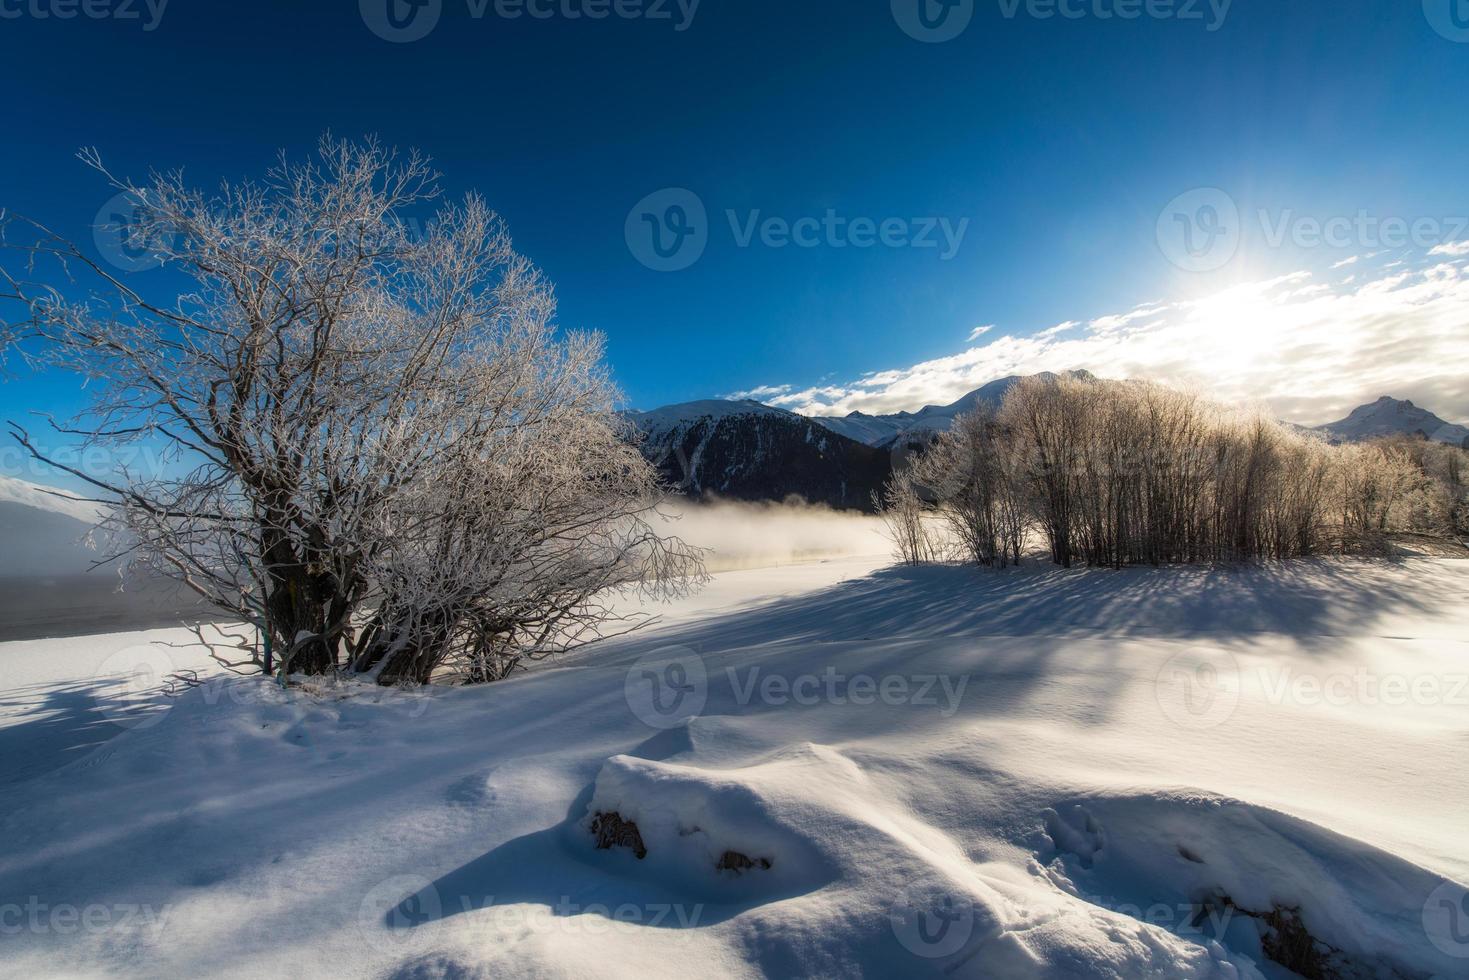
pixel 1055 143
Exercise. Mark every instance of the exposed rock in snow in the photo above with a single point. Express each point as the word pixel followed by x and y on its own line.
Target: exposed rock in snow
pixel 1272 886
pixel 610 830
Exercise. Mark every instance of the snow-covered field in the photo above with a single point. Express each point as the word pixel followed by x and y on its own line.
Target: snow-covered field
pixel 1039 773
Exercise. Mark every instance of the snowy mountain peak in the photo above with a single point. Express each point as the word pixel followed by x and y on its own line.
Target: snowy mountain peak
pixel 1390 416
pixel 1386 403
pixel 744 450
pixel 882 430
pixel 669 417
pixel 35 496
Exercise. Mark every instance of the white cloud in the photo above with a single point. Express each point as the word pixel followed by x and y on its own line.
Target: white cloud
pixel 1059 328
pixel 979 332
pixel 1452 248
pixel 1346 262
pixel 760 393
pixel 1309 350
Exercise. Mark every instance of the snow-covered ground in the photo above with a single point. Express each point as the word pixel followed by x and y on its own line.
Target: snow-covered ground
pixel 1039 773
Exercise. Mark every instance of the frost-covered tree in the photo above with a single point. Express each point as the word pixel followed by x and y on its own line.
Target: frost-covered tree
pixel 516 542
pixel 904 513
pixel 1120 473
pixel 376 442
pixel 1049 418
pixel 1437 498
pixel 1378 480
pixel 972 474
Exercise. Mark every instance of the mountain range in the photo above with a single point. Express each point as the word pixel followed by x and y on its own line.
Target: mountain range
pixel 1391 417
pixel 886 430
pixel 749 451
pixel 48 583
pixel 745 450
pixel 742 450
pixel 44 531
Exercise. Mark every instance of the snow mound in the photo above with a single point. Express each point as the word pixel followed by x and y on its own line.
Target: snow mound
pixel 1259 881
pixel 1013 810
pixel 690 819
pixel 887 884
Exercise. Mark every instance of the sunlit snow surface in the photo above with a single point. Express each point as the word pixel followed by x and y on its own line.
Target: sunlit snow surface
pixel 1037 773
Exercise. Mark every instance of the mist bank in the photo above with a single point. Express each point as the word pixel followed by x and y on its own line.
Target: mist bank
pixel 758 535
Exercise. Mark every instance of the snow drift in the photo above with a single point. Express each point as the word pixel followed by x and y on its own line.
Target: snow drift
pixel 1068 810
